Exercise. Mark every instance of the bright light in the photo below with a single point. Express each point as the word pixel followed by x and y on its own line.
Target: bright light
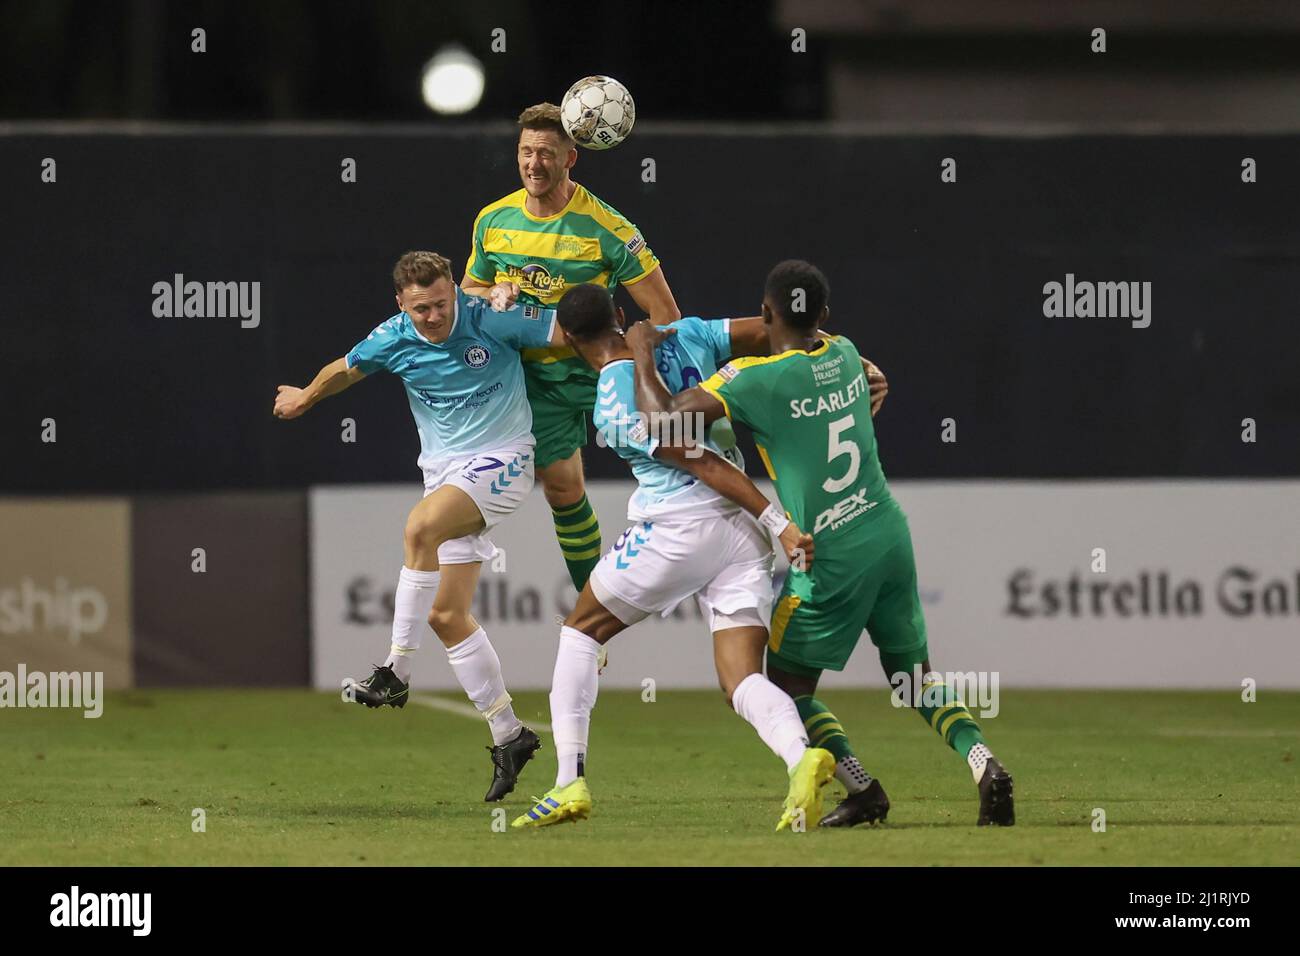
pixel 452 81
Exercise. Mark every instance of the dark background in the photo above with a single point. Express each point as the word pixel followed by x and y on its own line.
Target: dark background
pixel 224 166
pixel 940 283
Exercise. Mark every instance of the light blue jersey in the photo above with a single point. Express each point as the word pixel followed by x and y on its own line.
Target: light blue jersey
pixel 697 351
pixel 467 393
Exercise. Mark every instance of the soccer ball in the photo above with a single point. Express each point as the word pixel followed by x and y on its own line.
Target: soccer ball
pixel 598 112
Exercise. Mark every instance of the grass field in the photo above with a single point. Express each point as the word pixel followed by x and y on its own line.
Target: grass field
pixel 294 777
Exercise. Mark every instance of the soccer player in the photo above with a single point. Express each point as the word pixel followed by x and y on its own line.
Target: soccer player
pixel 537 243
pixel 459 361
pixel 808 406
pixel 687 538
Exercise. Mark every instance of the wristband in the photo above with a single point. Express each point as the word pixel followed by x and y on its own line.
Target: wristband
pixel 773 520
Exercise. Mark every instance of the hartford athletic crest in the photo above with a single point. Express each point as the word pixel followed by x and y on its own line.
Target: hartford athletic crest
pixel 476 356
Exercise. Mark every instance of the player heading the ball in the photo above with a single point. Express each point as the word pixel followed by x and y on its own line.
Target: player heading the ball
pixel 534 245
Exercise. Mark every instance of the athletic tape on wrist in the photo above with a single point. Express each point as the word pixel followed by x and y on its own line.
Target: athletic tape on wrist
pixel 774 520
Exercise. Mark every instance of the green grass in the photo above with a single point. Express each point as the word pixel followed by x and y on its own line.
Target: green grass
pixel 294 777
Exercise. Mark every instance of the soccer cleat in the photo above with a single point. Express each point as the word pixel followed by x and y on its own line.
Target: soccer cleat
pixel 381 687
pixel 813 771
pixel 570 802
pixel 508 759
pixel 996 803
pixel 866 806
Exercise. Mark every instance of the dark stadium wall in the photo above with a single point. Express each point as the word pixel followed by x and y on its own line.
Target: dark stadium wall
pixel 942 283
pixel 219 591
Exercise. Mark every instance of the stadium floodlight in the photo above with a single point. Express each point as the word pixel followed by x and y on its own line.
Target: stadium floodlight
pixel 452 81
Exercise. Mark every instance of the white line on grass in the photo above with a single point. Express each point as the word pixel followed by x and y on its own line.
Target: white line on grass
pixel 1228 732
pixel 465 710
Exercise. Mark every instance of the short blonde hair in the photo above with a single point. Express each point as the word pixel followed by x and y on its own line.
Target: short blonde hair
pixel 420 268
pixel 544 116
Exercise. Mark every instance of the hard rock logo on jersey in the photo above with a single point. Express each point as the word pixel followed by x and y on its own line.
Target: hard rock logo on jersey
pixel 476 356
pixel 535 279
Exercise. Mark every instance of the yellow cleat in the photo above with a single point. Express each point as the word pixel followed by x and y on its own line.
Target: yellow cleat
pixel 570 802
pixel 813 771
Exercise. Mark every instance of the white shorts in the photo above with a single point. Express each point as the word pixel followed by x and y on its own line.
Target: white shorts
pixel 724 559
pixel 498 481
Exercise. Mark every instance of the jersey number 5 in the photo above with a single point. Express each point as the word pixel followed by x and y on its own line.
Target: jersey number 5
pixel 836 448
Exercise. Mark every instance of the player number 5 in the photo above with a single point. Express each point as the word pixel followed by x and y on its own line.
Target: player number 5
pixel 836 449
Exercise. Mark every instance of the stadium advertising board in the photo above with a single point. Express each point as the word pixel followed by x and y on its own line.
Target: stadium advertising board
pixel 1049 584
pixel 65 587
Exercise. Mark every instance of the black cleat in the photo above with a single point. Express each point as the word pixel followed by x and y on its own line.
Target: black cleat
pixel 507 760
pixel 996 803
pixel 381 687
pixel 866 806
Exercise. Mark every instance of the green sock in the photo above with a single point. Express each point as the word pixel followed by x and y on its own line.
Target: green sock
pixel 823 728
pixel 578 532
pixel 943 710
pixel 939 706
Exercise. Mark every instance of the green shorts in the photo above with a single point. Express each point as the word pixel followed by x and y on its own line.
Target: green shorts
pixel 820 616
pixel 562 395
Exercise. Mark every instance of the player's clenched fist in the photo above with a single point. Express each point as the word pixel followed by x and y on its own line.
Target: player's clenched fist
pixel 798 547
pixel 290 402
pixel 877 385
pixel 646 335
pixel 502 296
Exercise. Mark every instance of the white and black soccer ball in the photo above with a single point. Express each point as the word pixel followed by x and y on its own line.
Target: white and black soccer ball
pixel 598 112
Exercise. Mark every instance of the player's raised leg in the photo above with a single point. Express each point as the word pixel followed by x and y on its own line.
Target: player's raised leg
pixel 441 516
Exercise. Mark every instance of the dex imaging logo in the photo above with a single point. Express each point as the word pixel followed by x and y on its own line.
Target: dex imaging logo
pixel 208 300
pixel 75 908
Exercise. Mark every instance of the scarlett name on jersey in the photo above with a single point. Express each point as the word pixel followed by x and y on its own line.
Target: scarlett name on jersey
pixel 834 401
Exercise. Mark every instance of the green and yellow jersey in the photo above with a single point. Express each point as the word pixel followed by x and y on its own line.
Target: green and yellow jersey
pixel 810 412
pixel 586 241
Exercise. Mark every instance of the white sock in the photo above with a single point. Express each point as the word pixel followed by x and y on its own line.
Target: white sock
pixel 852 774
pixel 977 759
pixel 399 659
pixel 411 604
pixel 773 714
pixel 573 694
pixel 478 669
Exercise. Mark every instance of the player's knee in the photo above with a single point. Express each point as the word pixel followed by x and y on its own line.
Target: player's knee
pixel 562 483
pixel 423 531
pixel 444 621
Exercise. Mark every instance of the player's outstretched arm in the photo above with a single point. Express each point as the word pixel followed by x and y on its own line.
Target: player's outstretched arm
pixel 290 402
pixel 652 395
pixel 732 483
pixel 654 298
